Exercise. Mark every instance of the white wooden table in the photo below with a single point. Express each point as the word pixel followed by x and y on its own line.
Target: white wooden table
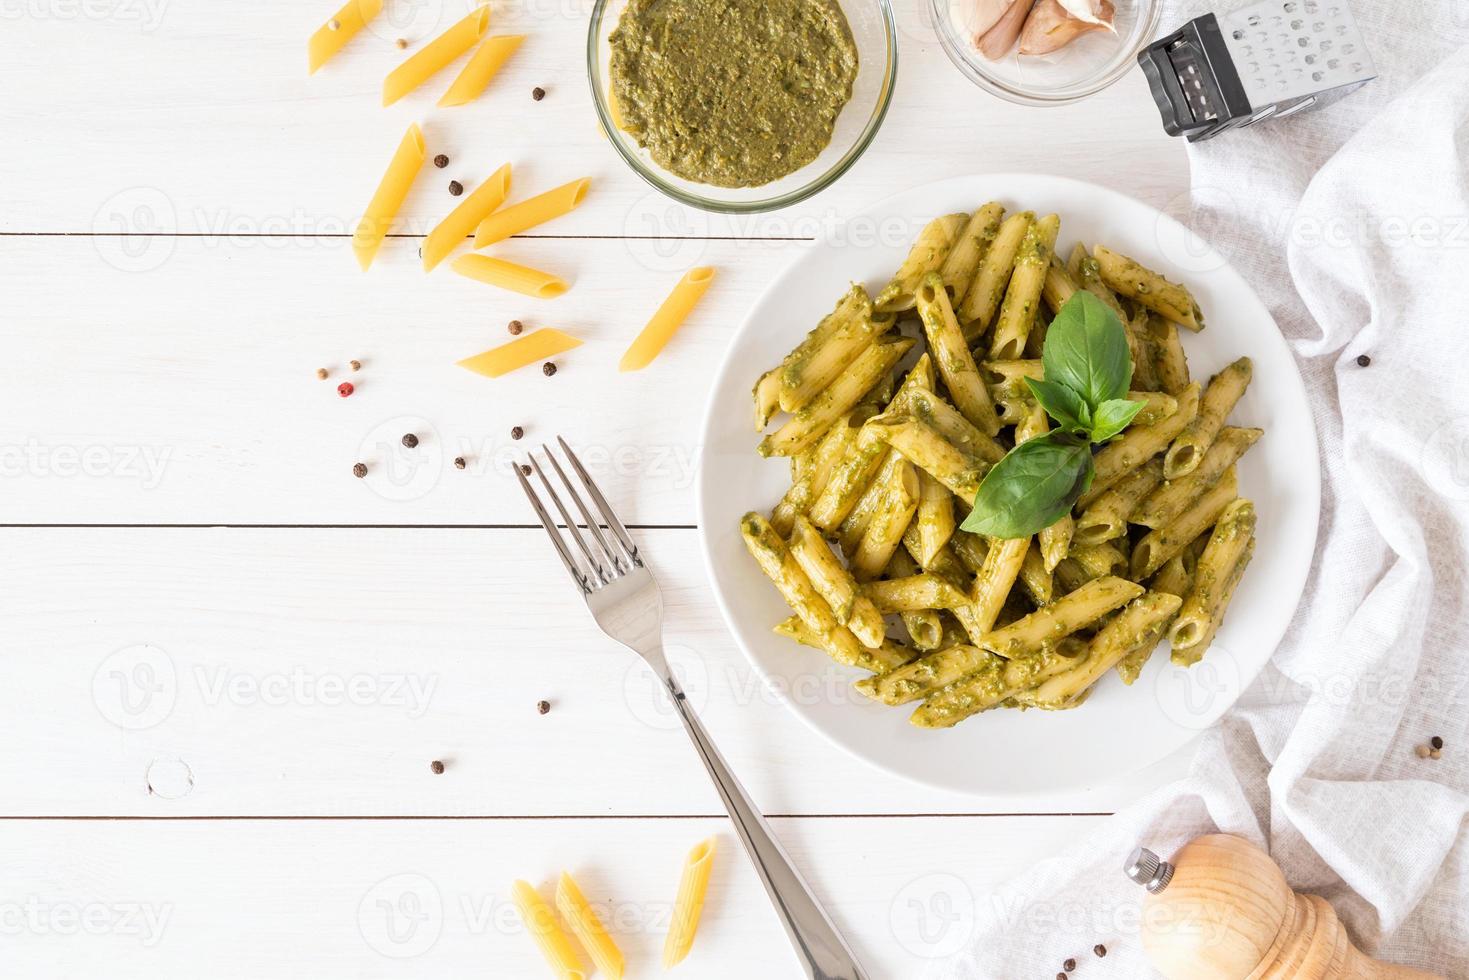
pixel 228 663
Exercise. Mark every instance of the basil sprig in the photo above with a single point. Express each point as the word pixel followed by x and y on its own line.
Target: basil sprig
pixel 1087 370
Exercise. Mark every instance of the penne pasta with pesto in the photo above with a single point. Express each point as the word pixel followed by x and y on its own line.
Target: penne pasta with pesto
pixel 987 361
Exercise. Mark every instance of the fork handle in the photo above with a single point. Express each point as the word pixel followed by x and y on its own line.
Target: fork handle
pixel 823 953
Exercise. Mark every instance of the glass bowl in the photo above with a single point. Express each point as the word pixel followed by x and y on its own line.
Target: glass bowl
pixel 1081 69
pixel 876 36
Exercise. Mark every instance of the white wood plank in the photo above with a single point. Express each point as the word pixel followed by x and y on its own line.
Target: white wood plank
pixel 375 899
pixel 200 118
pixel 187 671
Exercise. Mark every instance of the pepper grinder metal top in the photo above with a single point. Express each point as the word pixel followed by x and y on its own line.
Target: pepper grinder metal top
pixel 1148 870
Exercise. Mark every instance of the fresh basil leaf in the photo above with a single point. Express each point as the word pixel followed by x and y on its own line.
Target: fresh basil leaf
pixel 1063 405
pixel 1086 350
pixel 1033 487
pixel 1112 416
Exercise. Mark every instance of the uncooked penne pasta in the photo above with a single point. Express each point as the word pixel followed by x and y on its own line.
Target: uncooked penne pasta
pixel 1141 623
pixel 781 567
pixel 689 904
pixel 890 656
pixel 436 55
pixel 1062 617
pixel 838 339
pixel 974 241
pixel 1138 445
pixel 884 531
pixel 836 400
pixel 475 76
pixel 340 28
pixel 983 297
pixel 927 674
pixel 1023 297
pixel 670 315
pixel 533 211
pixel 1149 288
pixel 954 362
pixel 1218 400
pixel 927 255
pixel 1163 543
pixel 851 607
pixel 1220 566
pixel 578 915
pixel 1166 503
pixel 541 923
pixel 535 346
pixel 1105 519
pixel 455 227
pixel 368 236
pixel 509 275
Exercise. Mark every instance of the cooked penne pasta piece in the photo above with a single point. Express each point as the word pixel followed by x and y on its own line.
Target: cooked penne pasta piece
pixel 368 236
pixel 669 316
pixel 1037 580
pixel 1177 574
pixel 1083 268
pixel 1157 406
pixel 482 66
pixel 1140 624
pixel 541 923
pixel 1140 347
pixel 963 259
pixel 1138 445
pixel 1218 400
pixel 1144 286
pixel 1023 297
pixel 455 227
pixel 983 297
pixel 884 531
pixel 1105 519
pixel 436 55
pixel 927 255
pixel 1097 560
pixel 821 462
pixel 1069 576
pixel 836 585
pixel 807 425
pixel 1220 567
pixel 994 682
pixel 1062 617
pixel 535 346
pixel 500 225
pixel 688 906
pixel 889 656
pixel 1169 362
pixel 925 626
pixel 927 674
pixel 960 471
pixel 947 421
pixel 874 497
pixel 829 349
pixel 996 577
pixel 781 567
pixel 1163 543
pixel 577 912
pixel 952 358
pixel 1059 286
pixel 1165 504
pixel 767 398
pixel 935 519
pixel 849 480
pixel 508 275
pixel 913 593
pixel 327 40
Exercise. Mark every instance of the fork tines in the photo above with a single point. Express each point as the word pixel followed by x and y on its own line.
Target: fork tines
pixel 601 561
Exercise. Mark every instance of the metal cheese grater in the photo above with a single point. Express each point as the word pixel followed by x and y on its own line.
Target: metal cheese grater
pixel 1266 60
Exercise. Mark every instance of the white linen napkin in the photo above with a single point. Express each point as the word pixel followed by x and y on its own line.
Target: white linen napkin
pixel 1353 222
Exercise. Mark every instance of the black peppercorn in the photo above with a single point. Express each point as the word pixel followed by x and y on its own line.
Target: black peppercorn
pixel 1363 360
pixel 525 469
pixel 548 369
pixel 456 188
pixel 1061 976
pixel 1069 965
pixel 410 440
pixel 538 93
pixel 515 326
pixel 516 432
pixel 543 706
pixel 459 463
pixel 436 767
pixel 1436 742
pixel 359 470
pixel 1099 949
pixel 441 161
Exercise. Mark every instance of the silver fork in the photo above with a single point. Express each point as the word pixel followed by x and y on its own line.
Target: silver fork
pixel 625 601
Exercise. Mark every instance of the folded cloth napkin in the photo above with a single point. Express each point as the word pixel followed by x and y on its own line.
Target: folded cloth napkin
pixel 1353 223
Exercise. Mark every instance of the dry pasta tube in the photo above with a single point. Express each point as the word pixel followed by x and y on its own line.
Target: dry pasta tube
pixel 689 904
pixel 436 55
pixel 531 212
pixel 482 66
pixel 507 275
pixel 368 236
pixel 540 922
pixel 537 346
pixel 587 928
pixel 457 224
pixel 668 319
pixel 327 41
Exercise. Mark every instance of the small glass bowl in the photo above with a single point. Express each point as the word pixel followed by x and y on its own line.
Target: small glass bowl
pixel 876 36
pixel 1081 69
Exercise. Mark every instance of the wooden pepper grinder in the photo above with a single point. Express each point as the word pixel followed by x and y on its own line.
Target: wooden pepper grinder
pixel 1221 910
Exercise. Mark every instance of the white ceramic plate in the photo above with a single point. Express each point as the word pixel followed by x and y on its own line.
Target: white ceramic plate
pixel 1119 729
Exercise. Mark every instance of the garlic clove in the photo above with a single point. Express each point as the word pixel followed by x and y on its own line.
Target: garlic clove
pixel 1051 27
pixel 1000 39
pixel 1098 12
pixel 980 15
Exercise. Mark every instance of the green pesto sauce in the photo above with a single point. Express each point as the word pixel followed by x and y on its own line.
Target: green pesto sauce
pixel 734 93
